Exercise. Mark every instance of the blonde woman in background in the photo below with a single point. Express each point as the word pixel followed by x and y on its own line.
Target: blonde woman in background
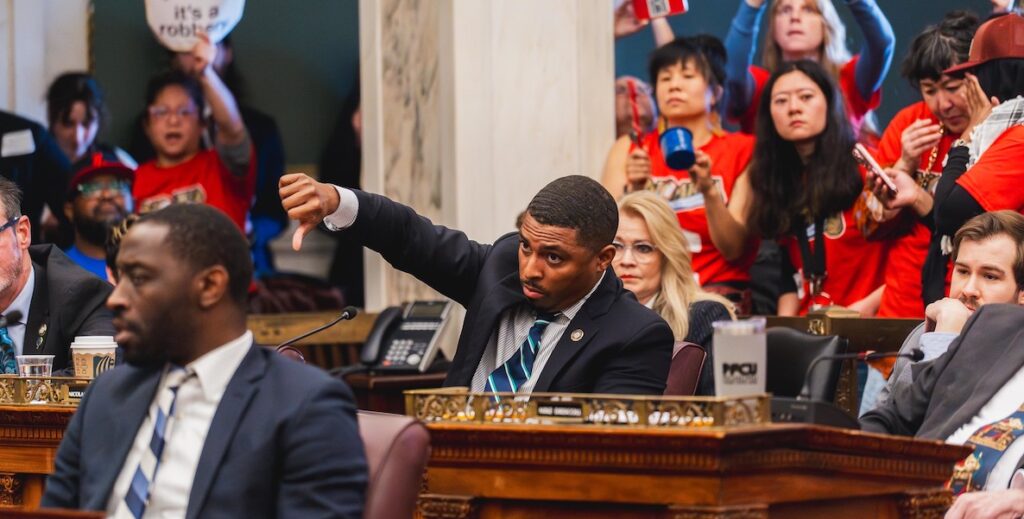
pixel 653 261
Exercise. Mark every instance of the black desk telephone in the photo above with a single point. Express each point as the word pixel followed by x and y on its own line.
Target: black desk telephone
pixel 406 338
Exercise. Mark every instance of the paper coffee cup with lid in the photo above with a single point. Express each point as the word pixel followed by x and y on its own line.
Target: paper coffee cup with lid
pixel 92 355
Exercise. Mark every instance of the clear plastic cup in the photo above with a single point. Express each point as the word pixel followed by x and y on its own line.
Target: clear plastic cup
pixel 35 365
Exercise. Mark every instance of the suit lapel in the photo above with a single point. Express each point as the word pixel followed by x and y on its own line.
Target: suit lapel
pixel 587 322
pixel 125 413
pixel 477 333
pixel 38 315
pixel 996 376
pixel 240 391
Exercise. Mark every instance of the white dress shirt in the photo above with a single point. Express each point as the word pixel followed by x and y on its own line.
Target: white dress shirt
pixel 1004 403
pixel 197 402
pixel 22 302
pixel 513 327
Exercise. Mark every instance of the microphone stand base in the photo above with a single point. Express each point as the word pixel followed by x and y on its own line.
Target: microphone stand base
pixel 792 410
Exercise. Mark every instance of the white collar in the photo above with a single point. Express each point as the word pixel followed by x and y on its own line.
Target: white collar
pixel 23 301
pixel 215 368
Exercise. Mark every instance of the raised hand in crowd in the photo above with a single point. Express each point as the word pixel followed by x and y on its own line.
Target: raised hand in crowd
pixel 200 59
pixel 626 22
pixel 995 504
pixel 308 202
pixel 638 170
pixel 700 172
pixel 908 193
pixel 979 104
pixel 921 136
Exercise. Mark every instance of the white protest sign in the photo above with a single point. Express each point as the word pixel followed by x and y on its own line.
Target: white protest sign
pixel 176 23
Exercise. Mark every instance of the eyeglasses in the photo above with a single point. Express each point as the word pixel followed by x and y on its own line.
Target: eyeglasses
pixel 643 252
pixel 160 112
pixel 9 223
pixel 95 188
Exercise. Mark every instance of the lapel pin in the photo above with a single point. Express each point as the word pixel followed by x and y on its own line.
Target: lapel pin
pixel 42 335
pixel 576 335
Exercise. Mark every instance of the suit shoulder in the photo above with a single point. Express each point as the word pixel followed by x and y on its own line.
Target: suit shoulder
pixel 634 316
pixel 300 379
pixel 709 310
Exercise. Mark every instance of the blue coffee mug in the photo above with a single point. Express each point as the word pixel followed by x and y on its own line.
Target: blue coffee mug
pixel 677 148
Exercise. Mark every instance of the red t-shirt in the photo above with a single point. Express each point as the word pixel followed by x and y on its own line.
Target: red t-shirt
pixel 902 296
pixel 856 106
pixel 730 153
pixel 203 179
pixel 995 179
pixel 855 266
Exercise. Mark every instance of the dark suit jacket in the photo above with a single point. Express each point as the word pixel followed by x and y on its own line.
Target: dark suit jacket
pixel 626 348
pixel 949 391
pixel 42 175
pixel 67 301
pixel 283 443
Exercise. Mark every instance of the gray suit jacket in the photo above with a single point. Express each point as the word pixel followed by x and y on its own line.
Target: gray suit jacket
pixel 949 391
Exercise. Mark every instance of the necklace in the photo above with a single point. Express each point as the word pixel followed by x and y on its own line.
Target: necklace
pixel 927 176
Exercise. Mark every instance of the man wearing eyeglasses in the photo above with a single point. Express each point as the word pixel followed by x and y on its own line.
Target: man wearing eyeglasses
pixel 99 197
pixel 56 299
pixel 224 174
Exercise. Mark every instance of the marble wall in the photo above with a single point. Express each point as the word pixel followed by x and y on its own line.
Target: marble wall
pixel 471 106
pixel 39 40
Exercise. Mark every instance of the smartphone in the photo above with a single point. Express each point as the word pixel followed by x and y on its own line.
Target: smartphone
pixel 864 158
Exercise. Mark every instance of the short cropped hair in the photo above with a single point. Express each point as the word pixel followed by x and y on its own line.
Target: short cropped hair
pixel 939 47
pixel 580 203
pixel 994 223
pixel 10 197
pixel 204 237
pixel 705 52
pixel 163 80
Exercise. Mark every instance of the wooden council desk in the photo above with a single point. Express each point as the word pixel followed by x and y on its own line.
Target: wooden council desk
pixel 29 437
pixel 770 471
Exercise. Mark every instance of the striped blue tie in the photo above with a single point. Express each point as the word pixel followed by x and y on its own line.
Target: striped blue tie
pixel 138 493
pixel 511 375
pixel 8 364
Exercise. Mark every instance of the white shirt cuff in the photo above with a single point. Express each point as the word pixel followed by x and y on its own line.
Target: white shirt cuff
pixel 345 215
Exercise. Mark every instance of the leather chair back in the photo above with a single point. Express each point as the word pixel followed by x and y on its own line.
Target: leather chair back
pixel 684 372
pixel 397 448
pixel 791 352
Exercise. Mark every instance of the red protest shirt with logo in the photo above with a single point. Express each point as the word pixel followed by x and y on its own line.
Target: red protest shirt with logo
pixel 995 180
pixel 730 154
pixel 902 295
pixel 857 107
pixel 855 267
pixel 203 179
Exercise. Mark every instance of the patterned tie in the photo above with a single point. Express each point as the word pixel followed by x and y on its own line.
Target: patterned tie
pixel 8 364
pixel 989 443
pixel 140 489
pixel 511 375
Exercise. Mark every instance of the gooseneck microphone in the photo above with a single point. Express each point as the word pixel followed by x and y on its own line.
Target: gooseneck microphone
pixel 915 355
pixel 12 317
pixel 348 313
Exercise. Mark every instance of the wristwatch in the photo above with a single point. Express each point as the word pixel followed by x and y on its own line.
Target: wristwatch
pixel 960 142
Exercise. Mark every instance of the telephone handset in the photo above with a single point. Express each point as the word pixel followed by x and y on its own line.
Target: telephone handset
pixel 406 338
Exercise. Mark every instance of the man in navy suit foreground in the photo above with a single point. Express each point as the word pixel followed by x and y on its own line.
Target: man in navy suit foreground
pixel 544 310
pixel 201 422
